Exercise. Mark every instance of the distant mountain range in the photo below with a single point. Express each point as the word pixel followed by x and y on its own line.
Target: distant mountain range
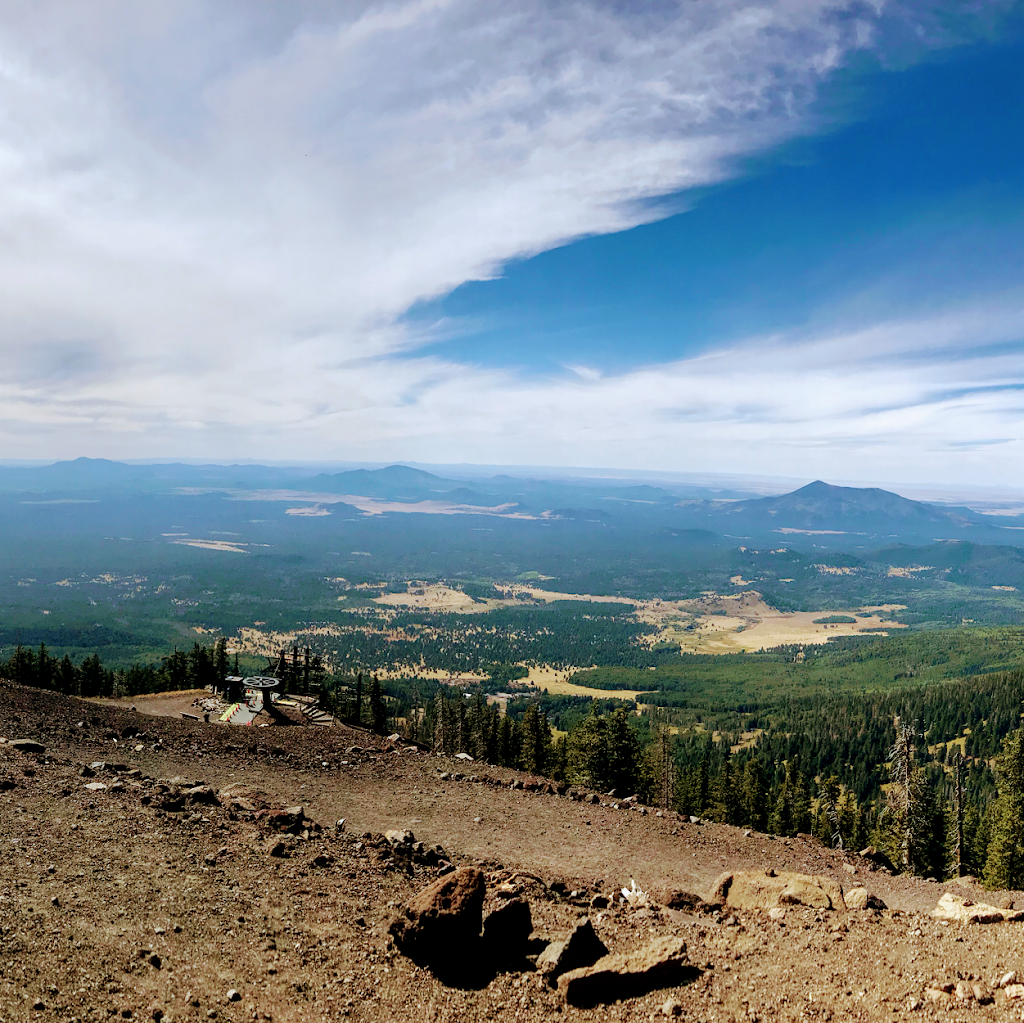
pixel 818 513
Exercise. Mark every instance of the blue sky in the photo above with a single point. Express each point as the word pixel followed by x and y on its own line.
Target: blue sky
pixel 909 195
pixel 745 236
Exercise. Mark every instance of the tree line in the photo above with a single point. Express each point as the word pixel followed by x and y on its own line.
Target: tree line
pixel 192 669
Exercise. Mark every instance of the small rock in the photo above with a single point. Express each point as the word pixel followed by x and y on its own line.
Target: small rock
pixel 936 994
pixel 234 996
pixel 849 868
pixel 210 859
pixel 777 913
pixel 599 901
pixel 963 992
pixel 38 1005
pixel 582 947
pixel 914 1003
pixel 340 826
pixel 28 746
pixel 1007 978
pixel 982 994
pixel 54 901
pixel 861 898
pixel 95 786
pixel 672 1008
pixel 1013 991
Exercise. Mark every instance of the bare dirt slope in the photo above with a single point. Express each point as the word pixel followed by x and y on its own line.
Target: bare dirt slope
pixel 137 901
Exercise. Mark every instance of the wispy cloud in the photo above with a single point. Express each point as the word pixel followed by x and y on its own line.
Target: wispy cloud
pixel 215 214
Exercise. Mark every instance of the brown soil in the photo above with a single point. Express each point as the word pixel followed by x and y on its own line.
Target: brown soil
pixel 93 884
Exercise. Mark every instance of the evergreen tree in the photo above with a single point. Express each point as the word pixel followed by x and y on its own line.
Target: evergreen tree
pixel 1004 864
pixel 378 712
pixel 755 795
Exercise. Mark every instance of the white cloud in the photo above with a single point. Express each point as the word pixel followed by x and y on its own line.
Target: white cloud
pixel 213 214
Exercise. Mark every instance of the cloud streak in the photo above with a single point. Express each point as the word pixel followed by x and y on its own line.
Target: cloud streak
pixel 214 218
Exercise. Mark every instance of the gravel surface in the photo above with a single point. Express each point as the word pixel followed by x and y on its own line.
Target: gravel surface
pixel 154 898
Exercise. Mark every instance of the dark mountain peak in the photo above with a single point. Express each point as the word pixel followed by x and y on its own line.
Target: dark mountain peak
pixel 402 474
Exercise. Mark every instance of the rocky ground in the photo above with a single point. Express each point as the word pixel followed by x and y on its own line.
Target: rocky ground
pixel 171 870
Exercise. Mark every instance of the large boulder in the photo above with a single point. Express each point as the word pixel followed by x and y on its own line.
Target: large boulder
pixel 962 910
pixel 760 890
pixel 662 963
pixel 440 927
pixel 581 948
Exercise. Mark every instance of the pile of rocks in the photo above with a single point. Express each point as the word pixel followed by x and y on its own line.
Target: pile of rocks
pixel 444 929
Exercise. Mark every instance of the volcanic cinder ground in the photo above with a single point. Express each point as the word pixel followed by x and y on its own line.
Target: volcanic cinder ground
pixel 111 907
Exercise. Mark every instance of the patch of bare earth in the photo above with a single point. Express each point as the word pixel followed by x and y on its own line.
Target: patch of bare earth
pixel 141 901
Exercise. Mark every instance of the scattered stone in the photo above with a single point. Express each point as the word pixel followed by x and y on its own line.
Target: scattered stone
pixel 662 963
pixel 582 947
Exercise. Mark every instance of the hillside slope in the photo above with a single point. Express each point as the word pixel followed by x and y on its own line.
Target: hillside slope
pixel 96 883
